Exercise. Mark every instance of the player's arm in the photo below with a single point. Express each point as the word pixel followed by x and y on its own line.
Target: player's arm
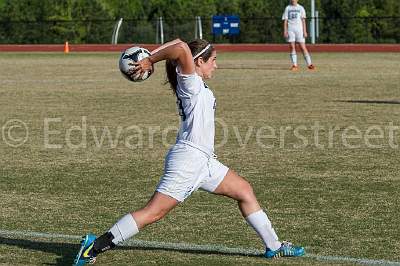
pixel 285 18
pixel 303 20
pixel 176 50
pixel 285 29
pixel 165 45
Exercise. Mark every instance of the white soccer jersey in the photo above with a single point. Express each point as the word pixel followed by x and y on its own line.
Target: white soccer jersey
pixel 294 16
pixel 196 104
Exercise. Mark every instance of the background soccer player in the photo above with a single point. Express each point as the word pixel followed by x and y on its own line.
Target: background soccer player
pixel 295 31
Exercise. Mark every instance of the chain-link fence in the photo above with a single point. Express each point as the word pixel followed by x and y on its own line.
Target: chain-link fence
pixel 360 30
pixel 252 30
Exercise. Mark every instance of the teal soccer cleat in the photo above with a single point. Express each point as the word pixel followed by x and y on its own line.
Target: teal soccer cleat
pixel 86 253
pixel 286 250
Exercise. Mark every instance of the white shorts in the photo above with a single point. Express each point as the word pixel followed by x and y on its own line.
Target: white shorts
pixel 296 35
pixel 188 169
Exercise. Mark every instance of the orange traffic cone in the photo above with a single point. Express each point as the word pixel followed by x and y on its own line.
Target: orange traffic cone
pixel 66 48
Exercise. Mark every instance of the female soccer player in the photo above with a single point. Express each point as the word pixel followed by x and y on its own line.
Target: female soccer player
pixel 295 30
pixel 190 164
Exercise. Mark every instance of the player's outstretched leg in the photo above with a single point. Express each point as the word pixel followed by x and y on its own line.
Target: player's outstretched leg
pixel 236 187
pixel 128 226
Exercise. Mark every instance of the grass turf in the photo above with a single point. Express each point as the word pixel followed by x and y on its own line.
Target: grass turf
pixel 327 196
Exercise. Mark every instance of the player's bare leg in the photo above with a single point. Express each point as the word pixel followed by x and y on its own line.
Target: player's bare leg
pixel 158 206
pixel 307 56
pixel 237 188
pixel 293 56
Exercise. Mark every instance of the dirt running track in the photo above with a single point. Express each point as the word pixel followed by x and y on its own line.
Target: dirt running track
pixel 220 47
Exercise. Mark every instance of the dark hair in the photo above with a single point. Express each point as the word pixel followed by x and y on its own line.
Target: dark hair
pixel 195 46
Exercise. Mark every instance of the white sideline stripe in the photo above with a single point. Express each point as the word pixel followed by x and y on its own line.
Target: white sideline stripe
pixel 195 247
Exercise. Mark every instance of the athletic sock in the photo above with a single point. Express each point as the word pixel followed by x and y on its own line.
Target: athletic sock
pixel 125 228
pixel 262 225
pixel 307 57
pixel 293 58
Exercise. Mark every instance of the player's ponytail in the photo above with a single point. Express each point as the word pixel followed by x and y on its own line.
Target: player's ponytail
pixel 170 68
pixel 198 48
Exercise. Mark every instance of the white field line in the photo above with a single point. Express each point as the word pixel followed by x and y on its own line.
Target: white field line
pixel 195 248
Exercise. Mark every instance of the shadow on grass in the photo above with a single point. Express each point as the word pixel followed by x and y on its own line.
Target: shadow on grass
pixel 369 101
pixel 66 252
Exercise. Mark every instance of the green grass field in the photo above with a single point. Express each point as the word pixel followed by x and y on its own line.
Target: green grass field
pixel 337 197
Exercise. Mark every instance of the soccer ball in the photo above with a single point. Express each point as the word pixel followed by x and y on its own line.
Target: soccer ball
pixel 129 56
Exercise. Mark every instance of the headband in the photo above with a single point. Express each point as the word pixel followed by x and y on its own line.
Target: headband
pixel 202 52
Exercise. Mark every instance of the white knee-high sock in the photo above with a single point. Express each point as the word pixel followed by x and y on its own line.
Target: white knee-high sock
pixel 262 225
pixel 307 57
pixel 125 228
pixel 293 58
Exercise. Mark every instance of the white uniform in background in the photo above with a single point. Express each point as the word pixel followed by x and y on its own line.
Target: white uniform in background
pixel 295 15
pixel 191 164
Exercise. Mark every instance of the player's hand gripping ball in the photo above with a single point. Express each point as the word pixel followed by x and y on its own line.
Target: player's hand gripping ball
pixel 129 67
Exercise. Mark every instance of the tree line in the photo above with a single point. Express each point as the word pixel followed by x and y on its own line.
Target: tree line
pixel 92 21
